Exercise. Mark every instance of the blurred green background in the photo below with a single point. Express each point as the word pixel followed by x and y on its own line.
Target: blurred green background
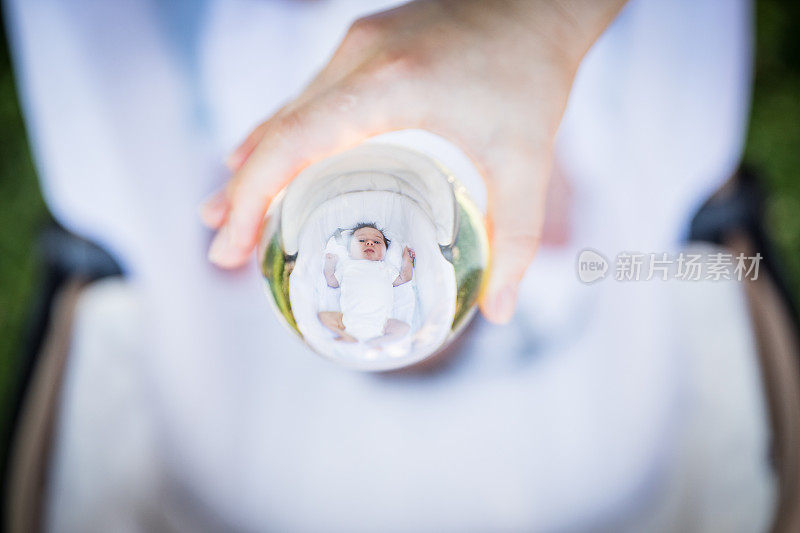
pixel 773 147
pixel 22 214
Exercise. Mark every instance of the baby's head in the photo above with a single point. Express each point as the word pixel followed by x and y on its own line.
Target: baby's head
pixel 368 242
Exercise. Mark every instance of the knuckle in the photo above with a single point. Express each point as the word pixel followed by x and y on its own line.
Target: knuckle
pixel 341 101
pixel 364 31
pixel 289 131
pixel 290 123
pixel 398 65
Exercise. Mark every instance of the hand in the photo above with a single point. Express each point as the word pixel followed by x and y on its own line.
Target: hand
pixel 329 270
pixel 408 255
pixel 492 77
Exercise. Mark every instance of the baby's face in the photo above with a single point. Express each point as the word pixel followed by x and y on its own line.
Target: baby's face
pixel 367 243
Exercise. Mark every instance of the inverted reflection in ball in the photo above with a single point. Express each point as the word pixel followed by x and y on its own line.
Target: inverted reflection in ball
pixel 375 257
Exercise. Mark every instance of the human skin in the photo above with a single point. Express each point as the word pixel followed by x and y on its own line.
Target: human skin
pixel 406 269
pixel 333 321
pixel 491 76
pixel 366 243
pixel 369 244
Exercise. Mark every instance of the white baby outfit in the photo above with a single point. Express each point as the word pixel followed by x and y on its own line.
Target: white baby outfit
pixel 367 297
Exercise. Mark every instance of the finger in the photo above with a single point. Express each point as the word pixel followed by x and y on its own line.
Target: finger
pixel 354 50
pixel 214 210
pixel 517 186
pixel 339 121
pixel 237 158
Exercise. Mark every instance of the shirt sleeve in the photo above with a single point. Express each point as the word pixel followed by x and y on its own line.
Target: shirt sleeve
pixel 391 272
pixel 337 272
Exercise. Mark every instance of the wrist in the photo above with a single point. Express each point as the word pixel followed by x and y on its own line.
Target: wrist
pixel 560 32
pixel 566 28
pixel 585 20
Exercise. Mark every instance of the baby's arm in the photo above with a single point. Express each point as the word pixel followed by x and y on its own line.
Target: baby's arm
pixel 407 270
pixel 330 267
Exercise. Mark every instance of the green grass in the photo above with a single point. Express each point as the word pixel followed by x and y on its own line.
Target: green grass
pixel 277 270
pixel 468 257
pixel 22 213
pixel 773 141
pixel 773 146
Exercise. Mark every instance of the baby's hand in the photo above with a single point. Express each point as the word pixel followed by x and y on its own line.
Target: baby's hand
pixel 408 255
pixel 407 268
pixel 330 262
pixel 328 270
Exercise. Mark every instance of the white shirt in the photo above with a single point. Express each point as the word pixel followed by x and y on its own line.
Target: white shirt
pixel 367 295
pixel 569 415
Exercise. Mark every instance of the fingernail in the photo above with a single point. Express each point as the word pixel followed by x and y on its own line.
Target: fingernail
pixel 220 247
pixel 502 305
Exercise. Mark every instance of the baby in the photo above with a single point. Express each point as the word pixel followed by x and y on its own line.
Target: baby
pixel 366 281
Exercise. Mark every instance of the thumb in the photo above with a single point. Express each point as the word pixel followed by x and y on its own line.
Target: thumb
pixel 515 219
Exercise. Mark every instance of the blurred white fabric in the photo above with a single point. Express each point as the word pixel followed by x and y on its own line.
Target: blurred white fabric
pixel 614 404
